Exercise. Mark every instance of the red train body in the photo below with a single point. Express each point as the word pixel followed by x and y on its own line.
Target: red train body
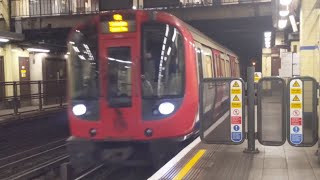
pixel 134 76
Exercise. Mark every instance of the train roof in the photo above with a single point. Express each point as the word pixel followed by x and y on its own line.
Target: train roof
pixel 202 38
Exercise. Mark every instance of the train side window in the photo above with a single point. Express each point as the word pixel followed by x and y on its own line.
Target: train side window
pixel 207 67
pixel 215 65
pixel 222 67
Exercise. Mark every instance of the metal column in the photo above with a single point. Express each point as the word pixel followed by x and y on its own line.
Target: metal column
pixel 251 111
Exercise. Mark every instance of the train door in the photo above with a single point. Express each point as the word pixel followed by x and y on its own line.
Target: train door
pixel 24 75
pixel 222 65
pixel 121 79
pixel 54 69
pixel 2 79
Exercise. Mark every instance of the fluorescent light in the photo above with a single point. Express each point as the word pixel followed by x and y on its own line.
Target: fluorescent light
pixel 293 23
pixel 68 53
pixel 38 50
pixel 4 40
pixel 268 46
pixel 267 34
pixel 71 42
pixel 76 49
pixel 282 23
pixel 285 2
pixel 284 13
pixel 267 39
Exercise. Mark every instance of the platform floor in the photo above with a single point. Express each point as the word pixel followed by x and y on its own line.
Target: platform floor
pixel 228 162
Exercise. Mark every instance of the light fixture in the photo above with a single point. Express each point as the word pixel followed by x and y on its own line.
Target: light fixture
pixel 293 23
pixel 38 50
pixel 267 39
pixel 282 23
pixel 285 2
pixel 134 7
pixel 79 109
pixel 284 13
pixel 71 42
pixel 253 63
pixel 267 34
pixel 4 40
pixel 66 56
pixel 68 53
pixel 267 45
pixel 166 108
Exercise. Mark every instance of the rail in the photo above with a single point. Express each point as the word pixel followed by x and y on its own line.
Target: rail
pixel 42 8
pixel 26 96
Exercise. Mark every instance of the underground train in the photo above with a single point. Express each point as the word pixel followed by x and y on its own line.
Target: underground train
pixel 134 79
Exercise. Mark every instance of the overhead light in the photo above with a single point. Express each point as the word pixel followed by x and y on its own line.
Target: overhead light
pixel 267 34
pixel 4 40
pixel 253 63
pixel 293 23
pixel 134 7
pixel 38 50
pixel 282 23
pixel 268 45
pixel 284 13
pixel 285 2
pixel 71 42
pixel 68 53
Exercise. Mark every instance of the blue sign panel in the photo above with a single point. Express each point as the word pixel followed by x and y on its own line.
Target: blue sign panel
pixel 296 138
pixel 296 129
pixel 236 127
pixel 236 136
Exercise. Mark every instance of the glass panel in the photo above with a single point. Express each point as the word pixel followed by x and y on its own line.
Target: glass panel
pixel 163 61
pixel 119 72
pixel 83 62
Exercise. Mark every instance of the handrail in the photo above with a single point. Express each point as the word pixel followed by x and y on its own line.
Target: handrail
pixel 24 96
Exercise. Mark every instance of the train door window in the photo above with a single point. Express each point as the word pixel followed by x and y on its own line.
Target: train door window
pixel 119 74
pixel 207 67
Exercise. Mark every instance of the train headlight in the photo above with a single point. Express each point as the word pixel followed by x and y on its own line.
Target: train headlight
pixel 79 109
pixel 166 108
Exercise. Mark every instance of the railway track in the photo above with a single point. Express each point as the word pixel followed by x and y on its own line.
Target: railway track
pixel 34 162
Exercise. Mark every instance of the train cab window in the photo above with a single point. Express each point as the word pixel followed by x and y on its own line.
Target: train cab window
pixel 83 63
pixel 162 61
pixel 119 74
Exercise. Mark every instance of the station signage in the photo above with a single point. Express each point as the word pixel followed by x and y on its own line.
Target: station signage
pixel 236 110
pixel 296 111
pixel 257 76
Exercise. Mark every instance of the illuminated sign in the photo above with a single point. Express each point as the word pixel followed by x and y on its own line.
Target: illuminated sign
pixel 118 23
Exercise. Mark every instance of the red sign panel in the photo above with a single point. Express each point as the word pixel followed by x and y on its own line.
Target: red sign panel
pixel 296 122
pixel 236 120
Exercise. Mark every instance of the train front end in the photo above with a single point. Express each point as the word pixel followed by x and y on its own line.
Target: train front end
pixel 132 78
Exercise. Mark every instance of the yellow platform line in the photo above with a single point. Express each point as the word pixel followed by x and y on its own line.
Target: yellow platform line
pixel 184 171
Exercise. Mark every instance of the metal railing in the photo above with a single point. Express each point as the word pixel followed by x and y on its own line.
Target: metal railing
pixel 26 96
pixel 40 8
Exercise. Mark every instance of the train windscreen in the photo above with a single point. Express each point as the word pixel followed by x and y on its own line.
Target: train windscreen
pixel 163 64
pixel 84 68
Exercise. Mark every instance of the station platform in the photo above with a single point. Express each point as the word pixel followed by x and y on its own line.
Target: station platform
pixel 229 162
